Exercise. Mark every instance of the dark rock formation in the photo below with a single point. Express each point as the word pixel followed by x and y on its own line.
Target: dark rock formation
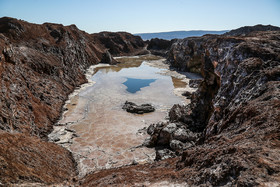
pixel 236 107
pixel 159 47
pixel 242 31
pixel 39 66
pixel 108 59
pixel 138 109
pixel 194 83
pixel 119 43
pixel 170 138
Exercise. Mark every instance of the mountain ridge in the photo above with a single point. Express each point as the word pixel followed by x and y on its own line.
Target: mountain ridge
pixel 177 34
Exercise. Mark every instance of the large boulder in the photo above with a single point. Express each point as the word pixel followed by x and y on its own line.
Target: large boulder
pixel 138 109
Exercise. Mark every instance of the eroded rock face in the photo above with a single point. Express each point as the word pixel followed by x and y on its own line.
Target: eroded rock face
pixel 236 108
pixel 39 66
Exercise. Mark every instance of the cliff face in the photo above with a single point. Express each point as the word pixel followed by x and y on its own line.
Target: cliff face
pixel 236 109
pixel 42 64
pixel 39 66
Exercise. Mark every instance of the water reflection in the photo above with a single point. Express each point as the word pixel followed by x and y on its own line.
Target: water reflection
pixel 107 135
pixel 134 85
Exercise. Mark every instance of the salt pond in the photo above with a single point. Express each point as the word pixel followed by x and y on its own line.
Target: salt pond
pixel 96 129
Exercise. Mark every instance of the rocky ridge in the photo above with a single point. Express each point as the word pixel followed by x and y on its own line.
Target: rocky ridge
pixel 234 113
pixel 40 65
pixel 228 135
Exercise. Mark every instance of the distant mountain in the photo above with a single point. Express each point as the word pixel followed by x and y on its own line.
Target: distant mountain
pixel 247 29
pixel 177 34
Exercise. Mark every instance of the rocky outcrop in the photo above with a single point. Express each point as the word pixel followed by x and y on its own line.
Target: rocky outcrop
pixel 119 43
pixel 170 136
pixel 138 109
pixel 108 59
pixel 236 108
pixel 39 66
pixel 159 47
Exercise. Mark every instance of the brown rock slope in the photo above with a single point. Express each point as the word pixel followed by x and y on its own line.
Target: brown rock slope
pixel 27 158
pixel 39 66
pixel 235 111
pixel 240 141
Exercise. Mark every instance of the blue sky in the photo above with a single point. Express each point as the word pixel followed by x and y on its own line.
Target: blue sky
pixel 140 16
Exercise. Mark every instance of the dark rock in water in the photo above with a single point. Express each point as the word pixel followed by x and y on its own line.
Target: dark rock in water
pixel 138 109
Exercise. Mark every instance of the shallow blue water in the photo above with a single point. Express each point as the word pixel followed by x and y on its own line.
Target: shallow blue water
pixel 133 85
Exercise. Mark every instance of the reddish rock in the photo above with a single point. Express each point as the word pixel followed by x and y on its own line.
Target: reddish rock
pixel 39 66
pixel 29 159
pixel 236 107
pixel 119 43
